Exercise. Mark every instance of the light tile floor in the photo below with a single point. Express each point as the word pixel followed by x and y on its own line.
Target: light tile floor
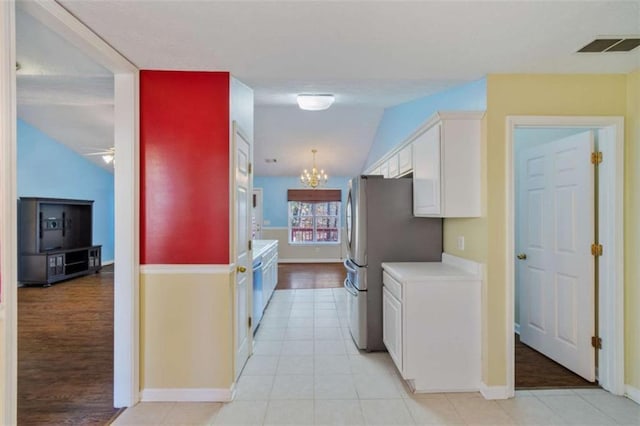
pixel 306 370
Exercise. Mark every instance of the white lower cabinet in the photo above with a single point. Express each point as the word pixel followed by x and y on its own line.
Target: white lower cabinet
pixel 431 323
pixel 392 326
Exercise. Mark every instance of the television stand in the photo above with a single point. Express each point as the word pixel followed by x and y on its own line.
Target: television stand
pixel 58 265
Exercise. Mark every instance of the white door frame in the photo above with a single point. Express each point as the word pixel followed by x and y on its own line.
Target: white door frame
pixel 259 194
pixel 611 274
pixel 126 195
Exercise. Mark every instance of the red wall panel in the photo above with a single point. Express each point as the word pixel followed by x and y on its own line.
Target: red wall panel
pixel 184 154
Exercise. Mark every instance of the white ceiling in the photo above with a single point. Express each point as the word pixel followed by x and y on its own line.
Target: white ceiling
pixel 370 54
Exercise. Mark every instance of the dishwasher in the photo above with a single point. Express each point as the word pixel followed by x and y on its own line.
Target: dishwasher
pixel 257 294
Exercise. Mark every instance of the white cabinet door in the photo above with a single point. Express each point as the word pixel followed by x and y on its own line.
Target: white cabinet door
pixel 384 169
pixel 392 326
pixel 404 159
pixel 393 166
pixel 426 173
pixel 447 167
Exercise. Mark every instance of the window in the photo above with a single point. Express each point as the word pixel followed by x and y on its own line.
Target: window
pixel 314 222
pixel 314 216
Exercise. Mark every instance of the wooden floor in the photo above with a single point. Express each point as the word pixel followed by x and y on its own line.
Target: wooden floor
pixel 65 352
pixel 310 275
pixel 536 371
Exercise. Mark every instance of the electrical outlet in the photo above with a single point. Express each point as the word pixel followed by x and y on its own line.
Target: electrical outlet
pixel 266 222
pixel 460 243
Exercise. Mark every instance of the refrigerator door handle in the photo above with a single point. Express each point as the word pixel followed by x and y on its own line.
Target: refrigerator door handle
pixel 347 265
pixel 349 288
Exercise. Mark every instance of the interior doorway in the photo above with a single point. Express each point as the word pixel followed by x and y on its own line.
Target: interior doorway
pixel 126 195
pixel 609 131
pixel 65 125
pixel 555 297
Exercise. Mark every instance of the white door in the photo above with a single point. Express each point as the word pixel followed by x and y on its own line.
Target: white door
pixel 243 260
pixel 556 232
pixel 256 214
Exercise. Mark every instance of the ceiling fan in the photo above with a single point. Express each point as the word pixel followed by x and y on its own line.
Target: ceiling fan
pixel 108 155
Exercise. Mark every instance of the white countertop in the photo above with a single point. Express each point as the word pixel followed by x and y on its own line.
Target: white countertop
pixel 451 268
pixel 260 247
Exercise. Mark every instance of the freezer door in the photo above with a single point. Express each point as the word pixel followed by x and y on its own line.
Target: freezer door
pixel 357 314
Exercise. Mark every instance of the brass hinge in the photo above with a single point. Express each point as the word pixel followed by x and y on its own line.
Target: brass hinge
pixel 250 245
pixel 596 249
pixel 250 168
pixel 249 322
pixel 596 342
pixel 596 157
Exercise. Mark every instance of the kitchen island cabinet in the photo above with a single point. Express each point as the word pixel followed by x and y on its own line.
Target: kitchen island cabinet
pixel 431 323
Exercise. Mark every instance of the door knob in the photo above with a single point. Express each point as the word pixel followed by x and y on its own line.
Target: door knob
pixel 242 269
pixel 522 256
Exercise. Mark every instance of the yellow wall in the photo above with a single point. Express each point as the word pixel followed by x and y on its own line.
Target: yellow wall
pixel 186 330
pixel 632 232
pixel 521 94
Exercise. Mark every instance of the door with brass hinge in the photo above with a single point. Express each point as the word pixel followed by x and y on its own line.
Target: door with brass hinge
pixel 242 242
pixel 554 259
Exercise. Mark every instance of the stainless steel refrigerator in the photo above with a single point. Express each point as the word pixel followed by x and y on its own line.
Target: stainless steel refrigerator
pixel 380 227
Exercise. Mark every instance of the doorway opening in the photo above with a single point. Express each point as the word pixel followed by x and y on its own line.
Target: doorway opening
pixel 126 213
pixel 559 206
pixel 65 107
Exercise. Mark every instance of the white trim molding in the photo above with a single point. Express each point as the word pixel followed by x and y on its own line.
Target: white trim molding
pixel 611 271
pixel 187 269
pixel 188 394
pixel 494 392
pixel 632 393
pixel 516 328
pixel 8 215
pixel 311 260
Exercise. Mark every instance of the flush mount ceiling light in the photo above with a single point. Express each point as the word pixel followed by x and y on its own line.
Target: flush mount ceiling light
pixel 315 102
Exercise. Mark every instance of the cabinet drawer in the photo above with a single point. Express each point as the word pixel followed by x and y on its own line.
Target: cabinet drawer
pixel 392 285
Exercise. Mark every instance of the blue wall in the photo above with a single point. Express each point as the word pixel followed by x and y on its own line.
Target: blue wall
pixel 400 121
pixel 274 193
pixel 47 168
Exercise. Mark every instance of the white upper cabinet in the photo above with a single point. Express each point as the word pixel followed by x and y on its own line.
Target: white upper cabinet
pixel 384 169
pixel 447 166
pixel 393 166
pixel 405 163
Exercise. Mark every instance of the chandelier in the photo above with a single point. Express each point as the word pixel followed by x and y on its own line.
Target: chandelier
pixel 314 178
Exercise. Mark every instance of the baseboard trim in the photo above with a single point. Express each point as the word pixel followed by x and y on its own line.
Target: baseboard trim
pixel 187 395
pixel 516 328
pixel 494 392
pixel 632 393
pixel 310 260
pixel 108 262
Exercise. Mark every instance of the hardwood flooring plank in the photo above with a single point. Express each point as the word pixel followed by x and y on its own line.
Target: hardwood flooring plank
pixel 310 275
pixel 65 352
pixel 536 371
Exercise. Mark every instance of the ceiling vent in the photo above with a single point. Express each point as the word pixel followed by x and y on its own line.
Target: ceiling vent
pixel 617 44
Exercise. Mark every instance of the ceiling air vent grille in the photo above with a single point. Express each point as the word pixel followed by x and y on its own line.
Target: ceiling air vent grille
pixel 618 44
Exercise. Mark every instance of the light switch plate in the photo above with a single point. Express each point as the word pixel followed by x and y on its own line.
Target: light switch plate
pixel 460 243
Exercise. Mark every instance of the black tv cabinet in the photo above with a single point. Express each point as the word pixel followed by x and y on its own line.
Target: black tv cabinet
pixel 55 240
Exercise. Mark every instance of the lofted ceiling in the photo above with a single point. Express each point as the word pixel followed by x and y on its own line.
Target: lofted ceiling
pixel 370 54
pixel 62 92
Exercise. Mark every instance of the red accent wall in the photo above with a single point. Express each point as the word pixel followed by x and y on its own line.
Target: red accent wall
pixel 184 154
